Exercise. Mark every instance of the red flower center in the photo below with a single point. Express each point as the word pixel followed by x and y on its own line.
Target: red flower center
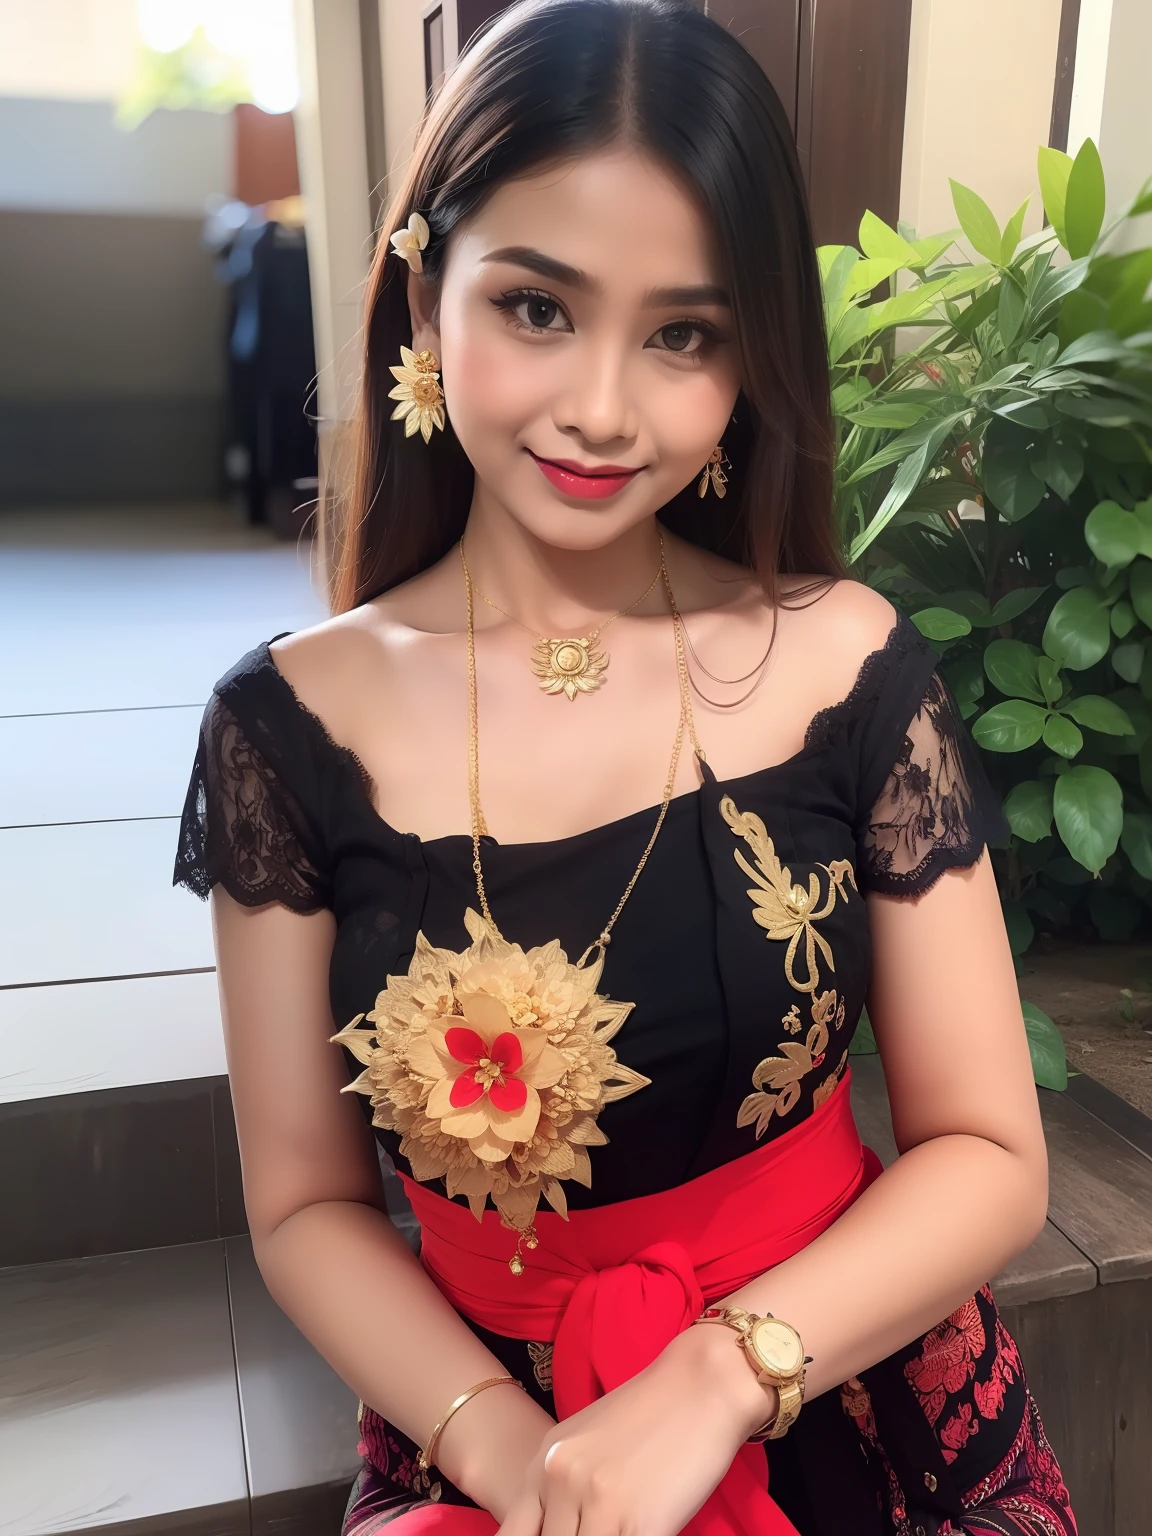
pixel 488 1069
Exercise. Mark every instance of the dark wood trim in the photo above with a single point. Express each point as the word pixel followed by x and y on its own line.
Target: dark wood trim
pixel 1116 1113
pixel 1065 74
pixel 433 67
pixel 372 72
pixel 857 91
pixel 770 30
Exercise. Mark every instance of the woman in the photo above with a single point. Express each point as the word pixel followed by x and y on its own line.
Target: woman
pixel 605 1043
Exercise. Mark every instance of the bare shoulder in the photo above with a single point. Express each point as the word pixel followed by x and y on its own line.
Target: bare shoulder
pixel 836 626
pixel 336 667
pixel 313 660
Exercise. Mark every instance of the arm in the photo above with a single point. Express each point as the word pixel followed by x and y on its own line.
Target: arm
pixel 324 1244
pixel 968 1193
pixel 970 1189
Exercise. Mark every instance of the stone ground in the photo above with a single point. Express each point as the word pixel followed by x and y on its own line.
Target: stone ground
pixel 1100 997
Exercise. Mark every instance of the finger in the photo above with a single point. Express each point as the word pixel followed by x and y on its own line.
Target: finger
pixel 523 1518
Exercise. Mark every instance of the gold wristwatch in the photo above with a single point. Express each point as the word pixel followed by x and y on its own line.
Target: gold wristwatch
pixel 777 1356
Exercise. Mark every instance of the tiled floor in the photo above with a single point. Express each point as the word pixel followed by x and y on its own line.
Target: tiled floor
pixel 158 1390
pixel 113 628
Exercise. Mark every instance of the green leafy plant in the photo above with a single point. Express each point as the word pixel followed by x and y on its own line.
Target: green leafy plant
pixel 994 478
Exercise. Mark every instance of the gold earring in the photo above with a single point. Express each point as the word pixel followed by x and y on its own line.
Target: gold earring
pixel 419 393
pixel 714 472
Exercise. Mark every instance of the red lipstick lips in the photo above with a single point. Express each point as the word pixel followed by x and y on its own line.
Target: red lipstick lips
pixel 590 482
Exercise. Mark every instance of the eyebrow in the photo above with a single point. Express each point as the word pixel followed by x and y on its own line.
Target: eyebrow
pixel 560 272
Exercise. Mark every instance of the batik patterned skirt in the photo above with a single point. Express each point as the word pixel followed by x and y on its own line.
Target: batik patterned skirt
pixel 966 1375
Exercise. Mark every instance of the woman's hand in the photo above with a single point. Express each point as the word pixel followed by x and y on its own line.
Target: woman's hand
pixel 646 1456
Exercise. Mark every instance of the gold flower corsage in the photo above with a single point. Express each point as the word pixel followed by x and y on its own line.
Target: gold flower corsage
pixel 493 1064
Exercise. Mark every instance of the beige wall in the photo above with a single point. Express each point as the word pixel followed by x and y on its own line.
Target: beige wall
pixel 402 61
pixel 330 136
pixel 980 79
pixel 1112 100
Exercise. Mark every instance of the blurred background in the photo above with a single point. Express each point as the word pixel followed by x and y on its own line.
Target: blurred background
pixel 189 191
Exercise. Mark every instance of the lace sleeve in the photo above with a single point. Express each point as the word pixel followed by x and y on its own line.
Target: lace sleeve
pixel 937 808
pixel 242 828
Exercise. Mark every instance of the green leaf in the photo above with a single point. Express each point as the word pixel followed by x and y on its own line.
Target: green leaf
pixel 1140 589
pixel 977 221
pixel 1018 925
pixel 848 395
pixel 1088 805
pixel 1014 603
pixel 1100 714
pixel 1077 634
pixel 879 240
pixel 941 624
pixel 890 413
pixel 1136 841
pixel 1062 736
pixel 1011 667
pixel 1007 475
pixel 1009 311
pixel 1048 675
pixel 904 482
pixel 1064 467
pixel 836 265
pixel 1028 808
pixel 1084 201
pixel 1009 727
pixel 1128 660
pixel 1142 202
pixel 863 1041
pixel 1122 618
pixel 1012 232
pixel 1054 168
pixel 1115 535
pixel 1046 1048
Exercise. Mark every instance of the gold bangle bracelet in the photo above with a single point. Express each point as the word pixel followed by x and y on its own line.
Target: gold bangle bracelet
pixel 427 1456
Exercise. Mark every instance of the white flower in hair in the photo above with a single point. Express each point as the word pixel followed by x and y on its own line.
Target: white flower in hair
pixel 411 240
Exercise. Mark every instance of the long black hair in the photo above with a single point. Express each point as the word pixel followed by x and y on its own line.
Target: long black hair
pixel 548 81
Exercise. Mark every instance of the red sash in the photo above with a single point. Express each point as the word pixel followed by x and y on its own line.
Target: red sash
pixel 612 1286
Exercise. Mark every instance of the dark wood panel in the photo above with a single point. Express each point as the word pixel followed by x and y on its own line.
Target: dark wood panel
pixel 472 14
pixel 1088 1360
pixel 1065 73
pixel 1100 1190
pixel 770 30
pixel 853 81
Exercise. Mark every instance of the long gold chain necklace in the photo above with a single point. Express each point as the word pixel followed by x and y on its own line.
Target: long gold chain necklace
pixel 684 723
pixel 569 665
pixel 527 1232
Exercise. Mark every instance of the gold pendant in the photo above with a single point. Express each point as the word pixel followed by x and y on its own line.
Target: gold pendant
pixel 569 666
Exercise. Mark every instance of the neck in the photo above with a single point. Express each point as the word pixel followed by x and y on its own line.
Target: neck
pixel 558 590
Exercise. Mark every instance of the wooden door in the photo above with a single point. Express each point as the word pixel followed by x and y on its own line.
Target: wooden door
pixel 840 67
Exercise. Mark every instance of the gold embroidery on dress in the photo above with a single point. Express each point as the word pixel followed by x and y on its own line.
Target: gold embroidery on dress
pixel 541 1358
pixel 784 1074
pixel 786 910
pixel 493 1064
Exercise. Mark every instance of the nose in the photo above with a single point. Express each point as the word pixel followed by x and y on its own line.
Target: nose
pixel 597 403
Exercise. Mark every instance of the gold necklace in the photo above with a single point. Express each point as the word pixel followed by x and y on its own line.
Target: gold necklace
pixel 567 665
pixel 527 1236
pixel 684 722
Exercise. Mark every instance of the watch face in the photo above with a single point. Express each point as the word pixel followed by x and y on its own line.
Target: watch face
pixel 778 1345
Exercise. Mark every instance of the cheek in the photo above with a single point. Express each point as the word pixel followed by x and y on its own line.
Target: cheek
pixel 687 413
pixel 489 383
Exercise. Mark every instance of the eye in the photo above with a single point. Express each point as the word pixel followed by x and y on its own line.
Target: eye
pixel 677 337
pixel 531 310
pixel 686 338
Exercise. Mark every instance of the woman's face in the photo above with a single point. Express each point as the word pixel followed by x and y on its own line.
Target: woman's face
pixel 583 325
